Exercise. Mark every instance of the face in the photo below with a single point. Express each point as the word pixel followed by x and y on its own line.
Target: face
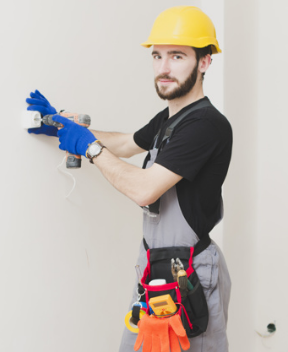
pixel 175 70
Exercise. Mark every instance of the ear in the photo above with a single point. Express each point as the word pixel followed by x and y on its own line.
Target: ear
pixel 204 63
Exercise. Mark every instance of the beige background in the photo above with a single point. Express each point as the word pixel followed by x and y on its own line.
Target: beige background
pixel 255 229
pixel 67 265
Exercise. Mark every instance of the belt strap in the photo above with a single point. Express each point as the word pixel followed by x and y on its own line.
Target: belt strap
pixel 200 246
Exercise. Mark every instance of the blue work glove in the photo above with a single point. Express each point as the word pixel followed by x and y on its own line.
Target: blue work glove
pixel 40 103
pixel 73 137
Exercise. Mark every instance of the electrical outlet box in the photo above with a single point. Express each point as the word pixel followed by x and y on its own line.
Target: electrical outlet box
pixel 31 119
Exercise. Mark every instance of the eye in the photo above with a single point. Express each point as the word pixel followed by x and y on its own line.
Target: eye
pixel 156 57
pixel 177 57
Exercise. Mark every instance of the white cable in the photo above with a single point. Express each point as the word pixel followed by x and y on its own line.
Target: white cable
pixel 266 334
pixel 69 174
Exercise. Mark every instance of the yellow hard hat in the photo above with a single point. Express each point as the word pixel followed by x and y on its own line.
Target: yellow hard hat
pixel 183 25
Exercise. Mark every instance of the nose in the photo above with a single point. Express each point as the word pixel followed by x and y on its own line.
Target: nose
pixel 164 67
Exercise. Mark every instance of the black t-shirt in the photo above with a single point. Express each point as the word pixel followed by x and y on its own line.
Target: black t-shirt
pixel 199 150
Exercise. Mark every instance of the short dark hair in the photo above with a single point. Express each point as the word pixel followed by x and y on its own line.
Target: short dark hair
pixel 202 52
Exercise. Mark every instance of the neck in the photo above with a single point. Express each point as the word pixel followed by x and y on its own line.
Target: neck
pixel 178 104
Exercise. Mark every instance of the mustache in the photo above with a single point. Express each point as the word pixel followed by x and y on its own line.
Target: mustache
pixel 166 77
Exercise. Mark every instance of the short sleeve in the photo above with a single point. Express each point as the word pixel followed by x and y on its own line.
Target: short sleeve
pixel 145 136
pixel 191 145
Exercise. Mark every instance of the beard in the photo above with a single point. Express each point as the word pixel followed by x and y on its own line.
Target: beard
pixel 181 90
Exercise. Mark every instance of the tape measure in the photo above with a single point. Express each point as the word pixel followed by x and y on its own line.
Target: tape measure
pixel 129 324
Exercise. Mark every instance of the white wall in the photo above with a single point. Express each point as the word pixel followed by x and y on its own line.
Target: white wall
pixel 240 89
pixel 272 151
pixel 67 265
pixel 255 231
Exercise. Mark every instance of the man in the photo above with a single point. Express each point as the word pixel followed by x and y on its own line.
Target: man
pixel 185 172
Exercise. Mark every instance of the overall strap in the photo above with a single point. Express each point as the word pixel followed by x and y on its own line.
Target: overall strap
pixel 170 129
pixel 154 208
pixel 200 246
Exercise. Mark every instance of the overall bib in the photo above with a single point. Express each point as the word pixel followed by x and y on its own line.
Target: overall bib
pixel 170 228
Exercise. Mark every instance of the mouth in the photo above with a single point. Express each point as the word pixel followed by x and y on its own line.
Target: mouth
pixel 165 81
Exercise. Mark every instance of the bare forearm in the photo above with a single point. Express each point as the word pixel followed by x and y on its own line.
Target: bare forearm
pixel 143 186
pixel 120 144
pixel 125 177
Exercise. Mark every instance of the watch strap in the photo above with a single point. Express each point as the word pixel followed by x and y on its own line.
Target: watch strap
pixel 91 157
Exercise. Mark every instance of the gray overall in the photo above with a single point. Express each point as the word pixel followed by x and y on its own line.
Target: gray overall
pixel 170 228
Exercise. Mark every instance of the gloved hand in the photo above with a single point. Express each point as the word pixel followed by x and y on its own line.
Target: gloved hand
pixel 161 334
pixel 40 103
pixel 153 332
pixel 73 137
pixel 177 331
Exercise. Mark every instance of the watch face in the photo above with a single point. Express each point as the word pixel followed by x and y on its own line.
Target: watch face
pixel 94 149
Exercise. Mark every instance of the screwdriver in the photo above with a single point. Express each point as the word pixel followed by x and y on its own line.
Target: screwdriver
pixel 183 281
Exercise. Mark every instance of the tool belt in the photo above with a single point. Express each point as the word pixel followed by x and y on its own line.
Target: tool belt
pixel 193 308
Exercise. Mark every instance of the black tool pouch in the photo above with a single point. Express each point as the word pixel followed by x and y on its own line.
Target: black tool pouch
pixel 193 307
pixel 196 308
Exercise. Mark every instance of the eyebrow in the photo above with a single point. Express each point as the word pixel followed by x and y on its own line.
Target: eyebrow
pixel 173 52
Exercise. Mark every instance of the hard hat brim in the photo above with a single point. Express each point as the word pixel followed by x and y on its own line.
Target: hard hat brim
pixel 214 44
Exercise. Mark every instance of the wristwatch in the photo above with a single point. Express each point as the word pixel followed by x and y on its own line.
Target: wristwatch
pixel 94 149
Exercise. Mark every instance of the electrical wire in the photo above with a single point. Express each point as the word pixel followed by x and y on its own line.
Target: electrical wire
pixel 69 174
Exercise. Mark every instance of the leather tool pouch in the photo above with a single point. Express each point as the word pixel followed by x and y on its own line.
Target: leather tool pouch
pixel 193 306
